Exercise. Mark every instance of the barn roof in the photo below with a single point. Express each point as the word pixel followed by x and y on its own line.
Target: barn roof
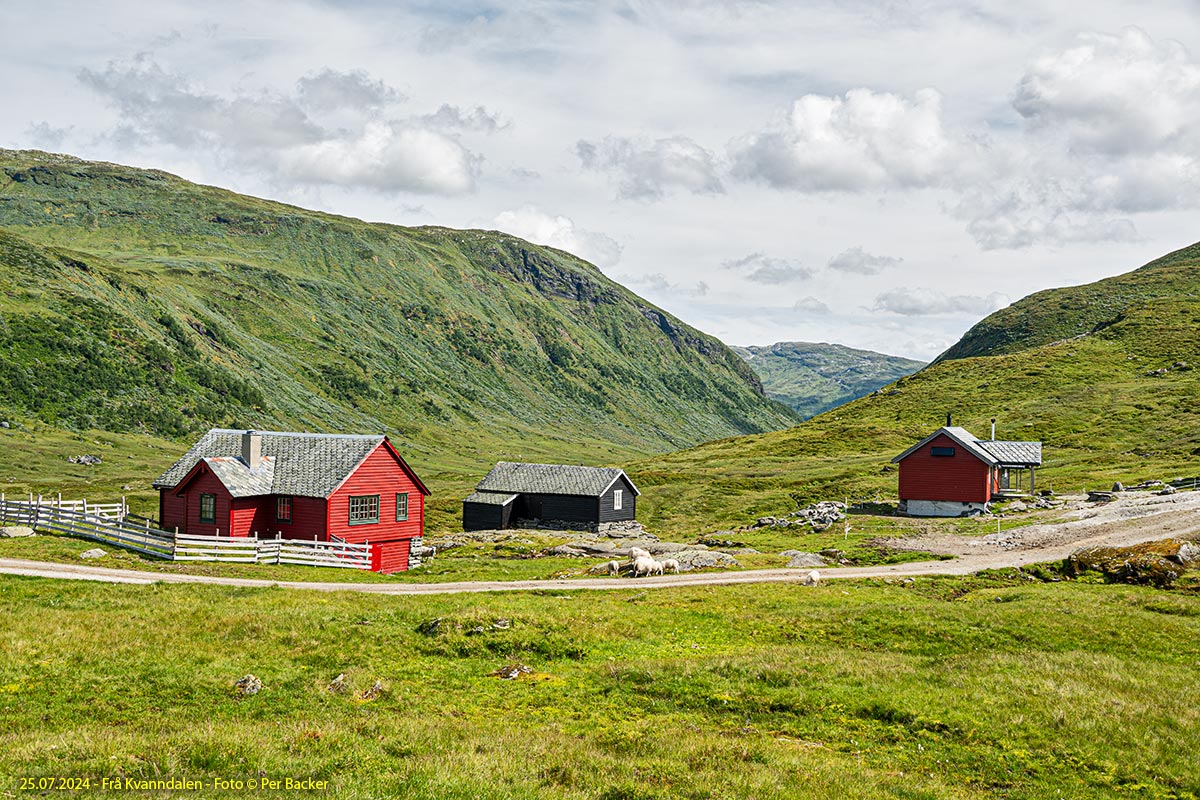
pixel 490 498
pixel 960 435
pixel 1015 453
pixel 304 464
pixel 509 477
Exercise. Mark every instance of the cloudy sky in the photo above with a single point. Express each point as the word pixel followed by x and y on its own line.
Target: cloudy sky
pixel 879 174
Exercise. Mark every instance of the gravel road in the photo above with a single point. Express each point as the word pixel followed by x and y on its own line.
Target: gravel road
pixel 1129 520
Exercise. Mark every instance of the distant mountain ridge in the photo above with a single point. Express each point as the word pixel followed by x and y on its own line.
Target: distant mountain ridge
pixel 811 378
pixel 134 300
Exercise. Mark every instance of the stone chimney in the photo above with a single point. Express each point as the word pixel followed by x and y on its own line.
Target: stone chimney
pixel 252 449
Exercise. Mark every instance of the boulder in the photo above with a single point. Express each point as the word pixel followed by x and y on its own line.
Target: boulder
pixel 1118 487
pixel 1154 563
pixel 1168 489
pixel 1017 505
pixel 15 532
pixel 801 560
pixel 1101 497
pixel 566 550
pixel 1188 554
pixel 248 685
pixel 704 559
pixel 95 552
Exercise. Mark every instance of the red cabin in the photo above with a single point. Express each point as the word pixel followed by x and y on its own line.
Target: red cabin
pixel 315 487
pixel 950 473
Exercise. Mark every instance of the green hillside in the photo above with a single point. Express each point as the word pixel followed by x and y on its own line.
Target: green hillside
pixel 136 302
pixel 811 378
pixel 1114 401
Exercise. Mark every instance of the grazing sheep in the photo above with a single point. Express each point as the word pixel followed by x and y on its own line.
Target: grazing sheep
pixel 636 552
pixel 671 564
pixel 643 566
pixel 657 568
pixel 811 579
pixel 614 568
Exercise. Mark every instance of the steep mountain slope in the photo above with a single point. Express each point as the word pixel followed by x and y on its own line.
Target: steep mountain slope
pixel 1115 401
pixel 136 301
pixel 811 378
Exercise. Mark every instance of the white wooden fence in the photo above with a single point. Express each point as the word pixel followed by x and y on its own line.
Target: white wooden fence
pixel 113 525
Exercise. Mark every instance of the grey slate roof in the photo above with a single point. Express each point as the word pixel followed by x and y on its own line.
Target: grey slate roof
pixel 1015 453
pixel 512 478
pixel 490 498
pixel 242 481
pixel 305 464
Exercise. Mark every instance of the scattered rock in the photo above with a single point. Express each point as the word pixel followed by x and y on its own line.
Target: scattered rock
pixel 338 684
pixel 95 552
pixel 1017 506
pixel 800 560
pixel 375 690
pixel 502 624
pixel 1168 489
pixel 478 629
pixel 1100 497
pixel 511 672
pixel 1156 563
pixel 248 685
pixel 127 488
pixel 831 554
pixel 88 460
pixel 430 627
pixel 1188 554
pixel 15 532
pixel 5 425
pixel 1118 487
pixel 566 550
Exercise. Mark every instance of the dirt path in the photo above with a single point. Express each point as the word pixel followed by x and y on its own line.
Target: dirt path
pixel 1130 520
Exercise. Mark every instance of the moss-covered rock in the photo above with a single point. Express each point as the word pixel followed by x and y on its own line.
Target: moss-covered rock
pixel 1156 563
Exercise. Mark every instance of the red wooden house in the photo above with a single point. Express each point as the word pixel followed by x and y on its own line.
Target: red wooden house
pixel 950 473
pixel 316 487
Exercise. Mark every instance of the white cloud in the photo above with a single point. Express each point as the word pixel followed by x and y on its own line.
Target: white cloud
pixel 659 284
pixel 853 142
pixel 1115 95
pixel 861 262
pixel 646 171
pixel 531 223
pixel 915 302
pixel 384 156
pixel 277 134
pixel 811 305
pixel 761 268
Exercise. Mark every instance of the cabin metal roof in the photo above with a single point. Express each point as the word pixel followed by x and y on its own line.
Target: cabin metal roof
pixel 514 478
pixel 304 464
pixel 993 453
pixel 490 498
pixel 1014 453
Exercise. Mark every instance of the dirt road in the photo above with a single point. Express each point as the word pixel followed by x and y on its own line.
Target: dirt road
pixel 1129 520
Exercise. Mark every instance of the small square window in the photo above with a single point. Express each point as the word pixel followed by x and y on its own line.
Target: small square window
pixel 402 507
pixel 364 509
pixel 208 508
pixel 283 509
pixel 618 499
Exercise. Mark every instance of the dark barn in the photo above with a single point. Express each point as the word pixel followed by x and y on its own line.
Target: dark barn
pixel 557 493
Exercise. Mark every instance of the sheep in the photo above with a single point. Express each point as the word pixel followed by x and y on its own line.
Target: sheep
pixel 811 579
pixel 643 566
pixel 671 564
pixel 614 568
pixel 636 552
pixel 657 568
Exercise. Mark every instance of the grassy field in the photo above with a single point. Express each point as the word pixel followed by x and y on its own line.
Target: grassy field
pixel 946 688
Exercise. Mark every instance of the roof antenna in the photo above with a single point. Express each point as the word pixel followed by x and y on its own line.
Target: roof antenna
pixel 993 429
pixel 949 420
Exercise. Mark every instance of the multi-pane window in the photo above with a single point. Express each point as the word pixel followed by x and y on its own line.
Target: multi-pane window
pixel 618 498
pixel 364 509
pixel 402 507
pixel 208 508
pixel 283 509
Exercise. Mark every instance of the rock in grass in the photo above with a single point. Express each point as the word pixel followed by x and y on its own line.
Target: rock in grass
pixel 248 685
pixel 15 532
pixel 704 559
pixel 510 672
pixel 375 691
pixel 95 552
pixel 800 560
pixel 1155 563
pixel 338 684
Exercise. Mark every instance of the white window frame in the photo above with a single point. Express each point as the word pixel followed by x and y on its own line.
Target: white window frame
pixel 618 499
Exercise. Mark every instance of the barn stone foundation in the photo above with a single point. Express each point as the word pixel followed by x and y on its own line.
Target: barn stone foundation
pixel 942 508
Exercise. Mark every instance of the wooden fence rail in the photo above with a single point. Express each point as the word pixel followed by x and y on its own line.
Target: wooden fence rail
pixel 112 524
